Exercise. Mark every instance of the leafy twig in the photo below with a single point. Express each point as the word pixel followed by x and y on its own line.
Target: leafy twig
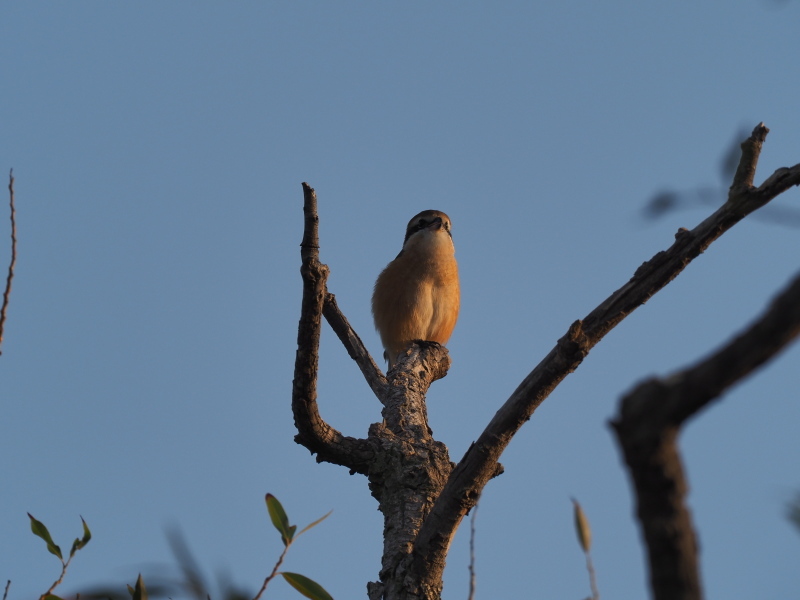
pixel 304 585
pixel 39 529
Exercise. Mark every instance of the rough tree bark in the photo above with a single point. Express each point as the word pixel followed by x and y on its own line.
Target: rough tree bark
pixel 423 495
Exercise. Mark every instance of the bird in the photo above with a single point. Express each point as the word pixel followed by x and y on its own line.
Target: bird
pixel 416 297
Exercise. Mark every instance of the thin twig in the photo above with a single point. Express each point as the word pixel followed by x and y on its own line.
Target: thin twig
pixel 272 575
pixel 355 347
pixel 472 552
pixel 592 577
pixel 5 593
pixel 7 293
pixel 57 582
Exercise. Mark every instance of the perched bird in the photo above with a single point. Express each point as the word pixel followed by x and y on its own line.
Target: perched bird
pixel 416 296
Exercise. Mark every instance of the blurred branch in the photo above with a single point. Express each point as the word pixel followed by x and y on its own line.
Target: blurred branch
pixel 649 422
pixel 792 511
pixel 193 582
pixel 162 583
pixel 667 201
pixel 10 277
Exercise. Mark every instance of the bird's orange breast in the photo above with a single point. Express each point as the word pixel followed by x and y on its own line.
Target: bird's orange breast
pixel 417 297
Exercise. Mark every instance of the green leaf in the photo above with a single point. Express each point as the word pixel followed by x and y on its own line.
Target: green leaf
pixel 307 587
pixel 51 597
pixel 80 543
pixel 38 528
pixel 279 519
pixel 582 527
pixel 317 522
pixel 139 592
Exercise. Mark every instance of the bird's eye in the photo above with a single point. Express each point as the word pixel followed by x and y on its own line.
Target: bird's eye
pixel 422 224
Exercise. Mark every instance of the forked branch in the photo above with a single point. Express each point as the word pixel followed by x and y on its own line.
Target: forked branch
pixel 424 500
pixel 313 432
pixel 476 467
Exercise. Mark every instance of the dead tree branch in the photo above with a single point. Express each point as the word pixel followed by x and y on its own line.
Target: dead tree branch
pixel 647 427
pixel 422 495
pixel 406 467
pixel 313 432
pixel 478 464
pixel 354 346
pixel 12 264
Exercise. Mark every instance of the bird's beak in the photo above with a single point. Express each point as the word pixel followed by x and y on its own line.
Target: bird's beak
pixel 436 224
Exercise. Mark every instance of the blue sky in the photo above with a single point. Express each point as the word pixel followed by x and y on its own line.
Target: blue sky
pixel 158 150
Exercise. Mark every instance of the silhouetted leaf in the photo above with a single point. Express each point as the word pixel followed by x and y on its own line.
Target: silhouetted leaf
pixel 793 511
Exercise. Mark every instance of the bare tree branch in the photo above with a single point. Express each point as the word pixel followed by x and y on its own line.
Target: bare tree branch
pixel 12 264
pixel 313 432
pixel 406 467
pixel 647 426
pixel 355 347
pixel 751 149
pixel 478 464
pixel 422 495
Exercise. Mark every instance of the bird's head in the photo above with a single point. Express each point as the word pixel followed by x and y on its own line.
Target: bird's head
pixel 428 227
